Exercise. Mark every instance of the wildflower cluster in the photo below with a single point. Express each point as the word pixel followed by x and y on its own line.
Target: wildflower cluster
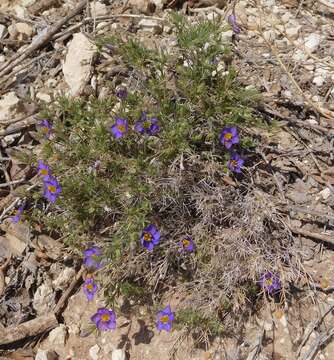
pixel 52 188
pixel 154 160
pixel 229 137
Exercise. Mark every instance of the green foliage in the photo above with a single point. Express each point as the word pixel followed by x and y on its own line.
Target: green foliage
pixel 194 93
pixel 194 320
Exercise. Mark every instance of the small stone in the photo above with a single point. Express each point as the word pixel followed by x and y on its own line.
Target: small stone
pixel 269 35
pixel 318 80
pixel 269 3
pixel 94 352
pixel 3 31
pixel 226 36
pixel 64 278
pixel 299 55
pixel 325 193
pixel 2 58
pixel 8 105
pixel 293 32
pixel 51 83
pixel 77 66
pixel 312 42
pixel 58 335
pixel 44 299
pixel 150 25
pixel 43 97
pixel 118 354
pixel 20 31
pixel 46 355
pixel 98 9
pixel 286 17
pixel 24 28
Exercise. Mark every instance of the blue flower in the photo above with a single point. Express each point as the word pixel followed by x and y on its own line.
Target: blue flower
pixel 120 128
pixel 235 163
pixel 92 257
pixel 150 237
pixel 52 188
pixel 147 126
pixel 165 319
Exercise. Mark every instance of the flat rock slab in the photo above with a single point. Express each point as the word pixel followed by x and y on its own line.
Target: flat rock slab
pixel 78 63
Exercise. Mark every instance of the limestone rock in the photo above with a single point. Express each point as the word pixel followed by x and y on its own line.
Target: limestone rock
pixel 43 97
pixel 312 42
pixel 77 65
pixel 58 335
pixel 64 278
pixel 46 355
pixel 3 31
pixel 94 352
pixel 118 354
pixel 44 299
pixel 98 9
pixel 8 106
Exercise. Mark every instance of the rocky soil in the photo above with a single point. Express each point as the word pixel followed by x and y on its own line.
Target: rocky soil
pixel 285 50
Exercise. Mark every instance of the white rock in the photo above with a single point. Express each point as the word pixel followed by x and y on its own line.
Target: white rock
pixel 20 29
pixel 46 355
pixel 293 32
pixel 148 23
pixel 286 17
pixel 226 36
pixel 24 28
pixel 2 58
pixel 64 278
pixel 325 193
pixel 77 65
pixel 58 335
pixel 51 83
pixel 312 42
pixel 98 9
pixel 118 354
pixel 158 3
pixel 44 97
pixel 44 299
pixel 318 80
pixel 269 3
pixel 3 31
pixel 8 105
pixel 269 35
pixel 299 55
pixel 94 352
pixel 27 2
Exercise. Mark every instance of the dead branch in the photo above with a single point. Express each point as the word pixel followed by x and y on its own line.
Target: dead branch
pixel 18 58
pixel 63 300
pixel 313 235
pixel 13 334
pixel 322 339
pixel 313 326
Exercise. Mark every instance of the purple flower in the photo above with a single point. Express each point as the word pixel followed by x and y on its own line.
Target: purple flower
pixel 147 126
pixel 232 20
pixel 165 319
pixel 187 244
pixel 52 188
pixel 17 217
pixel 229 137
pixel 122 93
pixel 270 282
pixel 235 163
pixel 46 128
pixel 150 237
pixel 104 319
pixel 92 257
pixel 43 169
pixel 119 128
pixel 89 288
